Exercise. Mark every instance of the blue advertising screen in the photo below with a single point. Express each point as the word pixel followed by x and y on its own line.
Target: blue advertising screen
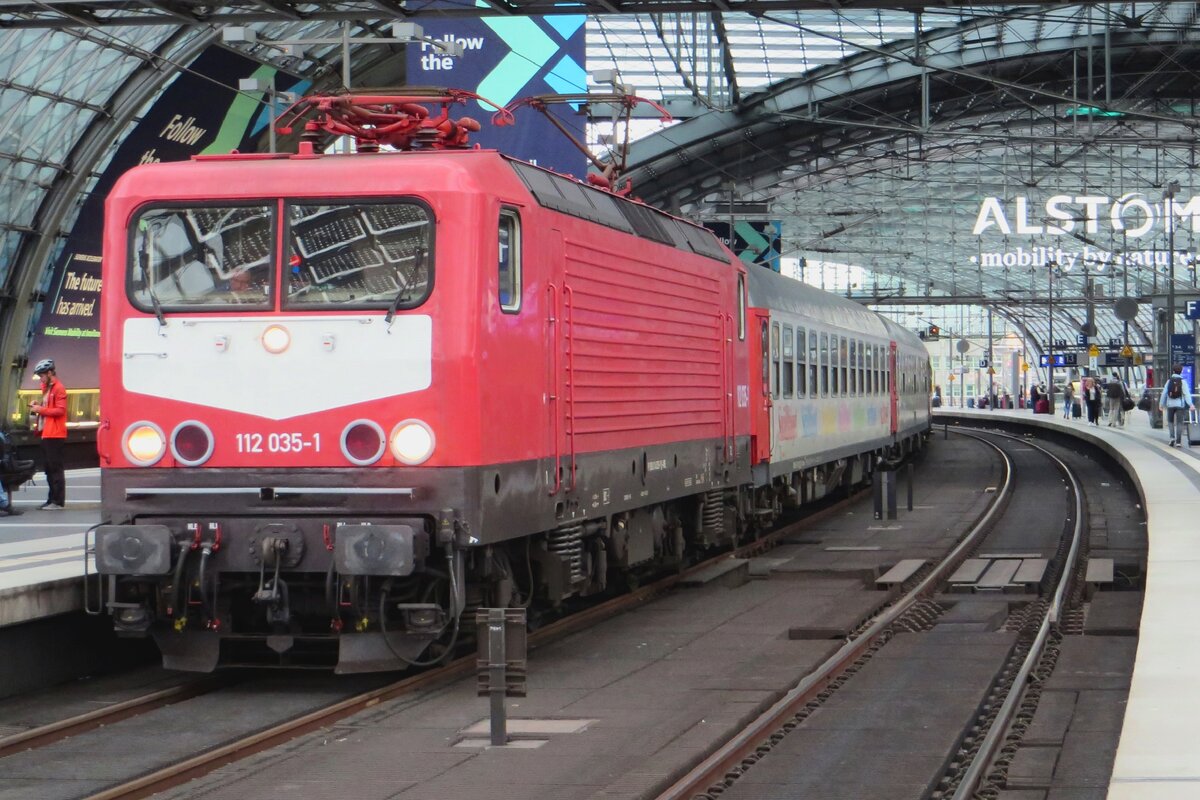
pixel 753 241
pixel 507 58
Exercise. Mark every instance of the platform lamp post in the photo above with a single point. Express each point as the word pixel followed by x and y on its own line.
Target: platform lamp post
pixel 1051 266
pixel 1169 217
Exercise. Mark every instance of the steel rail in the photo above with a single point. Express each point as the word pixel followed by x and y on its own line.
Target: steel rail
pixel 73 726
pixel 992 741
pixel 718 764
pixel 209 760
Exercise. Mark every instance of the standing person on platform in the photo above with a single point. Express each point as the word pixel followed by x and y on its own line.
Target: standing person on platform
pixel 1114 395
pixel 1091 399
pixel 1176 403
pixel 1068 399
pixel 52 422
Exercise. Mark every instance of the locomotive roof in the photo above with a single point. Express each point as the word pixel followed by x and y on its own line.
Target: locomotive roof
pixel 769 289
pixel 250 176
pixel 243 176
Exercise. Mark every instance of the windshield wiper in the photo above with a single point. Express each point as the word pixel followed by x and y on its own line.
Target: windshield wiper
pixel 143 257
pixel 402 294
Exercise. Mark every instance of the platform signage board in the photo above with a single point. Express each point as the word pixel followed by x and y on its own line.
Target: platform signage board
pixel 1183 349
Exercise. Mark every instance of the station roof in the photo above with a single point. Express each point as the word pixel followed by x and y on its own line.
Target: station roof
pixel 969 154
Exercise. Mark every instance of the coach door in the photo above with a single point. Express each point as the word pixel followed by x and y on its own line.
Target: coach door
pixel 761 406
pixel 893 388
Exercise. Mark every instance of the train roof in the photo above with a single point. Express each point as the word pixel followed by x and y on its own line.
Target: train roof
pixel 769 289
pixel 902 334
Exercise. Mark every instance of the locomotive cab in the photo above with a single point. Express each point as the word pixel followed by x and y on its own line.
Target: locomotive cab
pixel 291 420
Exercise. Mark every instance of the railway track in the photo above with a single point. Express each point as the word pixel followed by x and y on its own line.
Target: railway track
pixel 178 773
pixel 720 771
pixel 44 735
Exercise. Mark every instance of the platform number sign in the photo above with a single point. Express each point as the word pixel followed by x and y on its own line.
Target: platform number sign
pixel 1192 311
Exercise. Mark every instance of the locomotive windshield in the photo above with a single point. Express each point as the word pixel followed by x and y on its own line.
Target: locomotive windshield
pixel 372 255
pixel 346 255
pixel 202 256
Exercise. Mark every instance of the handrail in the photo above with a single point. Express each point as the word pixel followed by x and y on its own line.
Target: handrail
pixel 552 393
pixel 731 388
pixel 569 294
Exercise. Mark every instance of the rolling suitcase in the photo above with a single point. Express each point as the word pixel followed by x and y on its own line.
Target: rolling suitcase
pixel 1076 411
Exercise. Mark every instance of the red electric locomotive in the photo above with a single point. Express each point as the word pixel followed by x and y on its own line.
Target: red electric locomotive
pixel 348 397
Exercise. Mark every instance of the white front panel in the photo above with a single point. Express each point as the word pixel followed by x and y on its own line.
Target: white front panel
pixel 220 362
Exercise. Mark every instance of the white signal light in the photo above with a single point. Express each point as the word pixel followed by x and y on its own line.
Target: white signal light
pixel 143 443
pixel 276 339
pixel 412 442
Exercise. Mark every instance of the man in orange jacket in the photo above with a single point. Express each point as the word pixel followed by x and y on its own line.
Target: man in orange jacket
pixel 52 422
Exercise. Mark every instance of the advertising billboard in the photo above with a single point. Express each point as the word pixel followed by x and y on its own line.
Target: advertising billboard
pixel 507 58
pixel 753 241
pixel 200 112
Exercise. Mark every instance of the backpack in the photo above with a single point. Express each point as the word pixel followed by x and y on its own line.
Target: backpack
pixel 1175 388
pixel 13 471
pixel 1115 390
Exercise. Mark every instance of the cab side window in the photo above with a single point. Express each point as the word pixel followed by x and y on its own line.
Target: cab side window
pixel 509 265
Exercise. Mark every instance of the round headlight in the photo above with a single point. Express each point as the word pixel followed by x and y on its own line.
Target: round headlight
pixel 143 443
pixel 362 442
pixel 412 442
pixel 191 443
pixel 275 339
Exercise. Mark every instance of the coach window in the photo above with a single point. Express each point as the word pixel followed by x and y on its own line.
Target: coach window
pixel 812 364
pixel 853 385
pixel 845 362
pixel 509 266
pixel 833 362
pixel 358 254
pixel 861 363
pixel 801 364
pixel 774 359
pixel 202 258
pixel 834 384
pixel 789 362
pixel 824 365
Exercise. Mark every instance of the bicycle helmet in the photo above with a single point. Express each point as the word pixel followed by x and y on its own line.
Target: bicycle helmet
pixel 45 365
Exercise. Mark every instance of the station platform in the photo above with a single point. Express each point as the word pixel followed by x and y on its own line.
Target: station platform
pixel 1159 753
pixel 41 570
pixel 41 552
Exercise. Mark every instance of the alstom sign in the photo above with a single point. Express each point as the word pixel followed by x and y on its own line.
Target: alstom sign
pixel 1132 215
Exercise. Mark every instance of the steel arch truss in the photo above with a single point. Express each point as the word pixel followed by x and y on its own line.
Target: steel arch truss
pixel 885 159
